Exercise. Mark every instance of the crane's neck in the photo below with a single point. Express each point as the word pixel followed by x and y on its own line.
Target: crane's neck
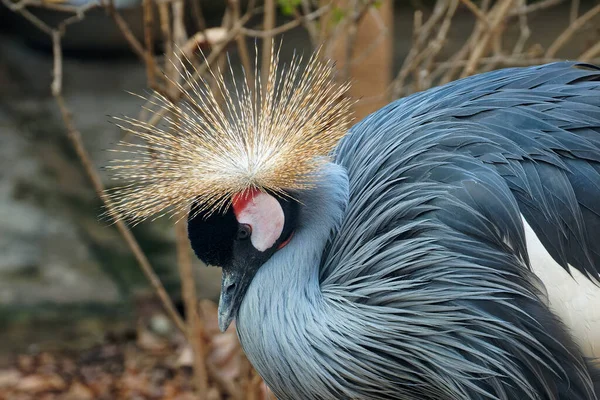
pixel 284 300
pixel 296 266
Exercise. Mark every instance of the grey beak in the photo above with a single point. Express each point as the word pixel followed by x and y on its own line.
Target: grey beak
pixel 228 301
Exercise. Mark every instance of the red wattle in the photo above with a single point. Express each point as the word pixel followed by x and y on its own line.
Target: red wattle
pixel 240 200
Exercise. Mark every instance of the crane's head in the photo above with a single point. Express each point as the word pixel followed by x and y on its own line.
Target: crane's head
pixel 233 166
pixel 241 240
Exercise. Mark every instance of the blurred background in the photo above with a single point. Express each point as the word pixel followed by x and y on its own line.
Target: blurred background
pixel 95 309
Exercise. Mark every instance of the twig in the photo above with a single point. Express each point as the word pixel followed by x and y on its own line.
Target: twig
pixel 476 11
pixel 499 13
pixel 540 5
pixel 242 46
pixel 79 14
pixel 50 6
pixel 340 31
pixel 164 17
pixel 77 142
pixel 496 51
pixel 135 45
pixel 208 38
pixel 30 17
pixel 287 26
pixel 591 53
pixel 149 41
pixel 417 25
pixel 324 22
pixel 195 331
pixel 420 36
pixel 214 54
pixel 146 56
pixel 574 13
pixel 364 10
pixel 75 138
pixel 179 33
pixel 524 32
pixel 267 48
pixel 520 60
pixel 436 45
pixel 56 85
pixel 309 24
pixel 564 37
pixel 214 85
pixel 350 39
pixel 475 36
pixel 198 15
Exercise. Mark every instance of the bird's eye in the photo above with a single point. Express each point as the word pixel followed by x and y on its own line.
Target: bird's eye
pixel 244 231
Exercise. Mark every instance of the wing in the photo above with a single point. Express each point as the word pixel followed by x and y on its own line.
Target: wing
pixel 433 234
pixel 537 127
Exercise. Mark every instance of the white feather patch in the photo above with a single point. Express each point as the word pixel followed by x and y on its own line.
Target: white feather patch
pixel 264 214
pixel 574 299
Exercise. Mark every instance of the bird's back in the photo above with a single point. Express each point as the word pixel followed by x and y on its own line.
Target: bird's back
pixel 434 245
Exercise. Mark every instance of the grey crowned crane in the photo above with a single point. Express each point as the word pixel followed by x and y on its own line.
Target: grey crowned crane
pixel 445 247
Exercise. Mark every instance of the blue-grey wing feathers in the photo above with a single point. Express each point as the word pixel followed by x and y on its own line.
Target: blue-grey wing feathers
pixel 433 244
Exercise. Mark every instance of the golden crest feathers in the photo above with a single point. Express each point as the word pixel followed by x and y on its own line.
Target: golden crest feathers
pixel 274 138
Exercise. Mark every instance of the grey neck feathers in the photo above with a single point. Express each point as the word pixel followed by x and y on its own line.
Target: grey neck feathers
pixel 284 315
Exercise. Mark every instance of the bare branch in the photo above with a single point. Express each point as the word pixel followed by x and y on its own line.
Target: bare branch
pixel 421 34
pixel 350 39
pixel 195 331
pixel 149 41
pixel 242 46
pixel 198 15
pixel 436 44
pixel 164 17
pixel 591 53
pixel 570 31
pixel 135 45
pixel 524 32
pixel 499 13
pixel 19 8
pixel 309 24
pixel 267 48
pixel 77 142
pixel 540 5
pixel 56 85
pixel 574 13
pixel 287 26
pixel 476 11
pixel 214 54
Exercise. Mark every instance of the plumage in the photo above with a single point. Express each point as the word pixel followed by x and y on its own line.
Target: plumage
pixel 467 159
pixel 404 271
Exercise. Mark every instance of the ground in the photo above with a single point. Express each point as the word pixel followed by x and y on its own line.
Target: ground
pixel 150 362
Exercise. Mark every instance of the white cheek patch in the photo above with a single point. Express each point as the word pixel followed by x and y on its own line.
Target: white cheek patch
pixel 264 214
